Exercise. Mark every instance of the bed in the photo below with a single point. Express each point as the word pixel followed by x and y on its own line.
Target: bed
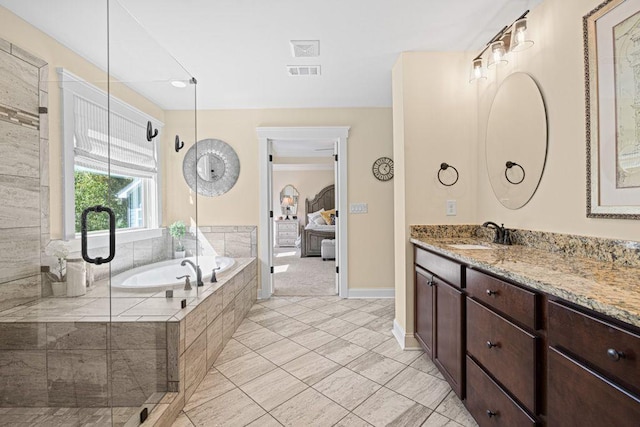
pixel 313 235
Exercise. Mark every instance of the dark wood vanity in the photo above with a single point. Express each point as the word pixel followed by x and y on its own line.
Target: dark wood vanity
pixel 520 357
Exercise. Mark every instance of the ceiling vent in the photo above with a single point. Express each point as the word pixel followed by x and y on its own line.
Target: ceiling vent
pixel 305 48
pixel 303 70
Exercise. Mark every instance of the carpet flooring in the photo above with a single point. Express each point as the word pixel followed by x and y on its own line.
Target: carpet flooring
pixel 295 276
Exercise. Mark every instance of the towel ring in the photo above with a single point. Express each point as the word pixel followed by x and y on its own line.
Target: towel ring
pixel 444 167
pixel 509 165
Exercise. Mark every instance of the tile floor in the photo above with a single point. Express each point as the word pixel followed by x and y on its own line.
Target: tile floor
pixel 322 361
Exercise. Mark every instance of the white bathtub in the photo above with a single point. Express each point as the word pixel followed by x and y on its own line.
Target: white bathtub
pixel 162 275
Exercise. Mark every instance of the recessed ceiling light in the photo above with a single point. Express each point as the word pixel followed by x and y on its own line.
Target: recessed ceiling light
pixel 178 83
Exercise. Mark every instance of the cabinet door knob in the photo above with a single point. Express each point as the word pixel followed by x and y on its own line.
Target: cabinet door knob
pixel 431 282
pixel 491 293
pixel 491 345
pixel 490 413
pixel 615 354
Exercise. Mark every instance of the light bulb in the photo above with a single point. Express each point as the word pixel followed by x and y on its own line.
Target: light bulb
pixel 520 41
pixel 497 54
pixel 477 71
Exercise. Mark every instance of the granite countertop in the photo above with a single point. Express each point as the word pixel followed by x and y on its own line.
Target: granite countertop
pixel 604 287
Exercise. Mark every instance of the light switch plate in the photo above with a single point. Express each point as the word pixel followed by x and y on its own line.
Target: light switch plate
pixel 452 208
pixel 358 208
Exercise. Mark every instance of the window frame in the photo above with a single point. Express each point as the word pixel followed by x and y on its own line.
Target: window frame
pixel 71 86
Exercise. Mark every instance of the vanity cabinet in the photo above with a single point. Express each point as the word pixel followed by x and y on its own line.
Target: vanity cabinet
pixel 439 314
pixel 593 370
pixel 286 232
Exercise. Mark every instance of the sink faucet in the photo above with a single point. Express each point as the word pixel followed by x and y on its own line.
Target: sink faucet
pixel 214 279
pixel 502 235
pixel 196 269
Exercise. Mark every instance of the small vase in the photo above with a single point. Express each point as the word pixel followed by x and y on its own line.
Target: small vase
pixel 59 289
pixel 179 254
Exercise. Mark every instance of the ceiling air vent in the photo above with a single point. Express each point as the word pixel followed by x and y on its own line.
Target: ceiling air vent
pixel 305 48
pixel 303 70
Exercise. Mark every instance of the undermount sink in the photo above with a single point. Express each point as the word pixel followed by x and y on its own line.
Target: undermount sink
pixel 470 247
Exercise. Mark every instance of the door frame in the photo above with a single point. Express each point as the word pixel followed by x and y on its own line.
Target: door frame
pixel 266 135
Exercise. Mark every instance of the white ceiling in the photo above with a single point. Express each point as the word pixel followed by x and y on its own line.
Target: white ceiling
pixel 239 49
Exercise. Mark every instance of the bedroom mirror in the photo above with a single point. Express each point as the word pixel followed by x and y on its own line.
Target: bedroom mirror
pixel 516 141
pixel 289 200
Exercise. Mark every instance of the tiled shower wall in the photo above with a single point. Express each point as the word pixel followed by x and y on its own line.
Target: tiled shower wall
pixel 24 174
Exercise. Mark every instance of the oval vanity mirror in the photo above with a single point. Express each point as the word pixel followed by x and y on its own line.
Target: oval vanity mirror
pixel 516 141
pixel 211 167
pixel 289 200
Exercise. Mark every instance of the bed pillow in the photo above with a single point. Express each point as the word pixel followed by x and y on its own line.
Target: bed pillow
pixel 319 220
pixel 312 216
pixel 329 216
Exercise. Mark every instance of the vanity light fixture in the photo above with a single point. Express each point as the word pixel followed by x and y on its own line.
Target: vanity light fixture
pixel 511 38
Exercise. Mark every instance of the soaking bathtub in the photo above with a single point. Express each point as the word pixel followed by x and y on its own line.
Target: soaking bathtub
pixel 163 275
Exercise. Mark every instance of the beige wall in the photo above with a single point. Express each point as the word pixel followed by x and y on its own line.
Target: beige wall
pixel 307 182
pixel 434 121
pixel 19 32
pixel 556 62
pixel 370 235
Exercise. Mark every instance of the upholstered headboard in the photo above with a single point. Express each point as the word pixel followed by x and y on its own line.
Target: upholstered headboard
pixel 326 199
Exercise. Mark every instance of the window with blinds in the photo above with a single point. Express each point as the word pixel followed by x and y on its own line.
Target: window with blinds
pixel 107 159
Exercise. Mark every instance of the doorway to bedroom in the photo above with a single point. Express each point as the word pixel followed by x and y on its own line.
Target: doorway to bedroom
pixel 303 194
pixel 302 236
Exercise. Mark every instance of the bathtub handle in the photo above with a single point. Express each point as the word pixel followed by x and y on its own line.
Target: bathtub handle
pixel 112 234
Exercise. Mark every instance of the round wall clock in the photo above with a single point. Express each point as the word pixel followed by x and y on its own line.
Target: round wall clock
pixel 383 169
pixel 211 167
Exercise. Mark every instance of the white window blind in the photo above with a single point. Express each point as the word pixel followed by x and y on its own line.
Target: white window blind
pixel 119 142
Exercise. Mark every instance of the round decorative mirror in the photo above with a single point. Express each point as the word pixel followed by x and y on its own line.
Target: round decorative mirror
pixel 516 141
pixel 289 200
pixel 211 167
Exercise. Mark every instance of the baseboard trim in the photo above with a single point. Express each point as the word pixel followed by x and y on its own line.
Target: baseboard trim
pixel 372 293
pixel 406 341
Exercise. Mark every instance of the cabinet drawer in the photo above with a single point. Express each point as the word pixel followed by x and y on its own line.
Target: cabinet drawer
pixel 286 242
pixel 287 227
pixel 593 340
pixel 579 397
pixel 505 350
pixel 290 234
pixel 489 404
pixel 514 302
pixel 446 269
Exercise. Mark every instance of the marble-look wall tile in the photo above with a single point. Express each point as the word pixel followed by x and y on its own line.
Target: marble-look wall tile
pixel 18 81
pixel 44 210
pixel 20 291
pixel 196 323
pixel 214 341
pixel 195 364
pixel 229 290
pixel 44 162
pixel 24 378
pixel 137 374
pixel 22 336
pixel 20 250
pixel 5 46
pixel 138 335
pixel 20 150
pixel 213 305
pixel 237 245
pixel 224 228
pixel 173 351
pixel 44 117
pixel 76 335
pixel 26 56
pixel 77 378
pixel 216 240
pixel 43 74
pixel 20 205
pixel 228 322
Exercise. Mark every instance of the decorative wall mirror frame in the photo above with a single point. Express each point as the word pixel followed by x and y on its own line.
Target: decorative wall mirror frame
pixel 211 167
pixel 516 140
pixel 289 200
pixel 612 123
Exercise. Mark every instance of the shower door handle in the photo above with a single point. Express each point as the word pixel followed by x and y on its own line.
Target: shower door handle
pixel 112 234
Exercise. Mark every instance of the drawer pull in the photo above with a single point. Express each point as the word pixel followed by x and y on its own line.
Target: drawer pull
pixel 615 354
pixel 491 293
pixel 491 345
pixel 490 413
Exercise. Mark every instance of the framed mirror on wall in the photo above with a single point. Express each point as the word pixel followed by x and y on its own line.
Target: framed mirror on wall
pixel 612 88
pixel 289 201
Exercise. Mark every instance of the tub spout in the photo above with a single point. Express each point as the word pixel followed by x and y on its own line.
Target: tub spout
pixel 196 269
